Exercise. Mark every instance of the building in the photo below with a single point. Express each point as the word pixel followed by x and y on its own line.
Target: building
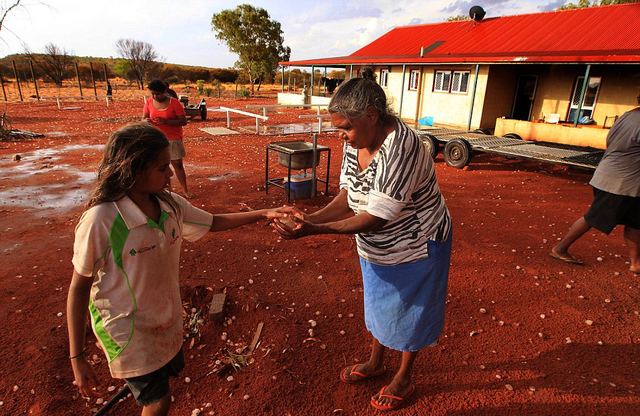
pixel 511 73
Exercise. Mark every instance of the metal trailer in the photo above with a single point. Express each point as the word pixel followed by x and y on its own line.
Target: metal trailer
pixel 458 147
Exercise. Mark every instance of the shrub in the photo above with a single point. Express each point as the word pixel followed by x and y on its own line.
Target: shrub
pixel 207 91
pixel 244 93
pixel 200 86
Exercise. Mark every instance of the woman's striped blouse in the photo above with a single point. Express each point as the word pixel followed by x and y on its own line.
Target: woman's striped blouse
pixel 400 186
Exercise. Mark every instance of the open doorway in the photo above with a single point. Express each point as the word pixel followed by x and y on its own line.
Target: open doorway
pixel 525 94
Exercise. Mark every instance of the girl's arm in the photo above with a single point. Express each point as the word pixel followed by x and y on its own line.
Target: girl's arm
pixel 362 223
pixel 77 306
pixel 237 219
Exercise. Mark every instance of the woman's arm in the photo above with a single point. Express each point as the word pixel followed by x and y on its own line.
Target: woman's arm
pixel 77 306
pixel 223 222
pixel 338 208
pixel 180 121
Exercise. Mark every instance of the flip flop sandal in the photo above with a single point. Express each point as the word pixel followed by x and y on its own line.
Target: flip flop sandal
pixel 361 376
pixel 570 260
pixel 396 404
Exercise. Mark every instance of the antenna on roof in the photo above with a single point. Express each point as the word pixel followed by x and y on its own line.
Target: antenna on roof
pixel 476 13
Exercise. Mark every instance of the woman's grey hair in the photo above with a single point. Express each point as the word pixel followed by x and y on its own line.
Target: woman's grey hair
pixel 353 97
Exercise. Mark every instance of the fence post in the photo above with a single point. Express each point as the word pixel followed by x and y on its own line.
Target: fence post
pixel 33 75
pixel 2 83
pixel 78 75
pixel 93 79
pixel 15 72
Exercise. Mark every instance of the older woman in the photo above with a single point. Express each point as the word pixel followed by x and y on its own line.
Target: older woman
pixel 168 115
pixel 389 197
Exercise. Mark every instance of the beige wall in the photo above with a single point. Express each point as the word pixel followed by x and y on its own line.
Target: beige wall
pixel 620 85
pixel 446 108
pixel 496 89
pixel 498 99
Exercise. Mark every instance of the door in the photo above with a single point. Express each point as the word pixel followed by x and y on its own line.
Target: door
pixel 525 93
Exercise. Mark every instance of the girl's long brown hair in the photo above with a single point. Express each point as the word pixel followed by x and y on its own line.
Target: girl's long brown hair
pixel 129 152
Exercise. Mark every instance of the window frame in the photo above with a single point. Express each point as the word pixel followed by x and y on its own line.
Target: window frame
pixel 435 78
pixel 462 73
pixel 585 110
pixel 411 87
pixel 384 76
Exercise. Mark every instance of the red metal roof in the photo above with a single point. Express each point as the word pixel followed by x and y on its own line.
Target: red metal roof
pixel 593 34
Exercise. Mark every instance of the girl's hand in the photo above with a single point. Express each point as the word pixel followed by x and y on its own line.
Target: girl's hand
pixel 294 212
pixel 85 377
pixel 160 120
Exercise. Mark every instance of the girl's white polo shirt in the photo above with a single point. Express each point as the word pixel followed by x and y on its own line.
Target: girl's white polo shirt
pixel 135 305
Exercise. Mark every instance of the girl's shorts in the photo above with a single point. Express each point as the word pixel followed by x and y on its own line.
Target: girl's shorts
pixel 609 210
pixel 152 387
pixel 176 148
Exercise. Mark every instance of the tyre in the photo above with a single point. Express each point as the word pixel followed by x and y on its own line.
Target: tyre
pixel 482 131
pixel 432 144
pixel 457 153
pixel 512 136
pixel 203 112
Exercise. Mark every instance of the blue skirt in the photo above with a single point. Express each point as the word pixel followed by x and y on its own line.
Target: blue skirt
pixel 404 304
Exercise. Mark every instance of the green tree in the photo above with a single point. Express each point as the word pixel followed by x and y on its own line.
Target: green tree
pixel 586 3
pixel 250 33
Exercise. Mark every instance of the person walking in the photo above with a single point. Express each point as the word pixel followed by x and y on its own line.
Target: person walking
pixel 616 190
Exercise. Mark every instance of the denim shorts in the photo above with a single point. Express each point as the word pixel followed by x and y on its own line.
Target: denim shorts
pixel 152 387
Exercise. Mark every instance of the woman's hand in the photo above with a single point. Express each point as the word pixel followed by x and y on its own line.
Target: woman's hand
pixel 160 120
pixel 85 377
pixel 293 226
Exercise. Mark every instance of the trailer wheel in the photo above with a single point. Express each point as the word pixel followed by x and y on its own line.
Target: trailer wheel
pixel 482 131
pixel 432 144
pixel 203 112
pixel 457 153
pixel 512 136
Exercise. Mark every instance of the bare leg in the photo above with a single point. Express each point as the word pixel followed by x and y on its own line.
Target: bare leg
pixel 159 408
pixel 632 238
pixel 577 230
pixel 372 367
pixel 400 386
pixel 178 167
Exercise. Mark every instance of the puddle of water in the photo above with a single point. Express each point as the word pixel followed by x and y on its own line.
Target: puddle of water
pixel 47 198
pixel 57 197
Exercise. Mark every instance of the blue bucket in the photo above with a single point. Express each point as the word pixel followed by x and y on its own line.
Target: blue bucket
pixel 426 121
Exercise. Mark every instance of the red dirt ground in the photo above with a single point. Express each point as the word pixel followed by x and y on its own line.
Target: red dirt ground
pixel 517 338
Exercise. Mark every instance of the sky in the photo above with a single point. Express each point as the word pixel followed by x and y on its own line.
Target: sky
pixel 180 30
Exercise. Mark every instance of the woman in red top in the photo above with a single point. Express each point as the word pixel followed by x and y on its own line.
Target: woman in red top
pixel 167 114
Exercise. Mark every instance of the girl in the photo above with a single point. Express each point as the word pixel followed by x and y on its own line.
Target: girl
pixel 167 114
pixel 126 263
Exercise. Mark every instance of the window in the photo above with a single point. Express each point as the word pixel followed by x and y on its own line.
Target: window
pixel 442 81
pixel 460 82
pixel 593 86
pixel 414 77
pixel 384 77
